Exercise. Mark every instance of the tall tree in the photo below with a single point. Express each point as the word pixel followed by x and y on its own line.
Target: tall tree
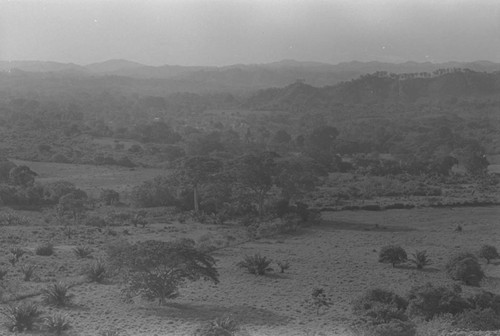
pixel 197 170
pixel 256 173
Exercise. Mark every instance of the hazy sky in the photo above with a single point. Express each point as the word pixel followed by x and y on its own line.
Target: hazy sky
pixel 223 32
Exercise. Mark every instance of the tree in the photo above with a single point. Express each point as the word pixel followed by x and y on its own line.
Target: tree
pixel 158 267
pixel 109 196
pixel 297 176
pixel 73 202
pixel 197 170
pixel 22 176
pixel 5 167
pixel 256 173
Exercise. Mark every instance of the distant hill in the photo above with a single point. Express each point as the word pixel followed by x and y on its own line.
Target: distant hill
pixel 235 78
pixel 380 88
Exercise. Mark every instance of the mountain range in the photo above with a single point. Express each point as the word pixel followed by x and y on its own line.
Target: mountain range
pixel 238 77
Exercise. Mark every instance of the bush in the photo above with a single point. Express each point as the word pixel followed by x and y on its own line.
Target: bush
pixel 488 252
pixel 289 223
pixel 83 252
pixel 46 249
pixel 283 265
pixel 465 268
pixel 256 264
pixel 429 301
pixel 420 259
pixel 97 272
pixel 380 306
pixel 392 254
pixel 28 272
pixel 224 326
pixel 57 324
pixel 161 283
pixel 394 328
pixel 478 319
pixel 57 295
pixel 3 273
pixel 319 299
pixel 159 267
pixel 109 196
pixel 95 221
pixel 11 219
pixel 485 300
pixel 22 317
pixel 153 193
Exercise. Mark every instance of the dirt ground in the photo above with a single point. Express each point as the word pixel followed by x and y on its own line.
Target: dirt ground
pixel 340 256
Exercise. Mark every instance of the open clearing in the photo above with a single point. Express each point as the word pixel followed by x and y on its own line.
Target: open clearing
pixel 340 256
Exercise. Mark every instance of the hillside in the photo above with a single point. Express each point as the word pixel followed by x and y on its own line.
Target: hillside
pixel 381 88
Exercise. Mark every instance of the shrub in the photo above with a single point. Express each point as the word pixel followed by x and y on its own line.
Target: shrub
pixel 57 323
pixel 485 300
pixel 161 283
pixel 488 252
pixel 11 219
pixel 465 268
pixel 420 259
pixel 83 252
pixel 109 196
pixel 3 273
pixel 283 265
pixel 17 253
pixel 478 319
pixel 22 317
pixel 319 299
pixel 392 254
pixel 97 272
pixel 429 301
pixel 394 328
pixel 221 326
pixel 380 306
pixel 289 223
pixel 256 264
pixel 28 272
pixel 153 193
pixel 95 221
pixel 57 295
pixel 46 249
pixel 159 267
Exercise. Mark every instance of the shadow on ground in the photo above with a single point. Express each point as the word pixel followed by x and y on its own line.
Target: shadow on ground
pixel 205 312
pixel 353 226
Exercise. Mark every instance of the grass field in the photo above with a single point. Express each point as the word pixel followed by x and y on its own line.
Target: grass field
pixel 91 178
pixel 340 255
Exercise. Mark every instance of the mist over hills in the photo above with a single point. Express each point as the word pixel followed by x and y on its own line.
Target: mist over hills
pixel 232 78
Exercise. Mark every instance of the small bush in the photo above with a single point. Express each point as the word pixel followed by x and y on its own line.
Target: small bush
pixel 11 219
pixel 221 326
pixel 392 254
pixel 319 299
pixel 22 317
pixel 488 252
pixel 420 259
pixel 57 295
pixel 485 300
pixel 160 283
pixel 256 264
pixel 28 272
pixel 380 306
pixel 283 265
pixel 95 221
pixel 429 301
pixel 46 249
pixel 478 319
pixel 465 268
pixel 109 196
pixel 83 252
pixel 97 272
pixel 17 252
pixel 57 324
pixel 3 273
